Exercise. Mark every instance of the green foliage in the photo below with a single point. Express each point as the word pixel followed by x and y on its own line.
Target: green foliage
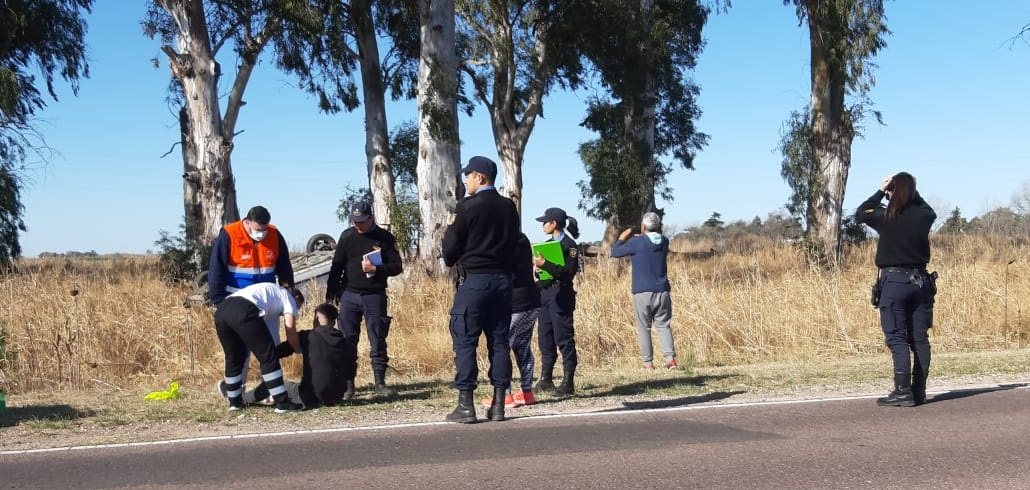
pixel 642 58
pixel 851 231
pixel 955 223
pixel 182 258
pixel 799 168
pixel 713 221
pixel 37 37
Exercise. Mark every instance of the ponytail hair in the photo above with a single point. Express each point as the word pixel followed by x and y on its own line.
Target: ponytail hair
pixel 902 188
pixel 572 226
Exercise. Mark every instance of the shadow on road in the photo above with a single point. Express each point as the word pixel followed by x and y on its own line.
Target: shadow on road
pixel 405 391
pixel 644 386
pixel 675 402
pixel 957 394
pixel 42 413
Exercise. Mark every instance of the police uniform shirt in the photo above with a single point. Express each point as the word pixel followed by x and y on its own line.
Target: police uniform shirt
pixel 483 235
pixel 905 240
pixel 562 273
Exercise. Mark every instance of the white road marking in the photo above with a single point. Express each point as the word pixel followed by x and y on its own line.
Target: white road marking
pixel 628 411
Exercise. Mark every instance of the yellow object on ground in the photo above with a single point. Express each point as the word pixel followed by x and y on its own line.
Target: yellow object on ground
pixel 172 393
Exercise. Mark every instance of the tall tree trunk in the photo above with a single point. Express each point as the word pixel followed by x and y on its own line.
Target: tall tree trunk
pixel 209 191
pixel 832 134
pixel 377 138
pixel 511 152
pixel 439 155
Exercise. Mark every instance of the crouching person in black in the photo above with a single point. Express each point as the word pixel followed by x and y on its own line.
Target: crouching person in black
pixel 330 359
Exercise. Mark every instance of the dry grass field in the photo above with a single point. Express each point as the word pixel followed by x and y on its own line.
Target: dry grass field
pixel 112 323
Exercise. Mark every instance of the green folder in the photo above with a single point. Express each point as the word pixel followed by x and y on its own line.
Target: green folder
pixel 552 252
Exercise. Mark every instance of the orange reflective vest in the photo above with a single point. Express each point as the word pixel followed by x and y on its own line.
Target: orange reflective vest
pixel 250 262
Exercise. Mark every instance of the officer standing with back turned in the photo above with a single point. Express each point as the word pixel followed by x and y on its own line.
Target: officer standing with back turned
pixel 480 243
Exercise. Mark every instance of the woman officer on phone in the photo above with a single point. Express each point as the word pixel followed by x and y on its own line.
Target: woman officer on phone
pixel 907 295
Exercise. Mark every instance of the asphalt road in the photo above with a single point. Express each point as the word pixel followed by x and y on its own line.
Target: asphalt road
pixel 963 440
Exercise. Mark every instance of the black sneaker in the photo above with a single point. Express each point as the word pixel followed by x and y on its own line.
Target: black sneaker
pixel 236 404
pixel 288 406
pixel 222 388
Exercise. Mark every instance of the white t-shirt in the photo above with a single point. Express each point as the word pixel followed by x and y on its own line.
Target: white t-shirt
pixel 272 301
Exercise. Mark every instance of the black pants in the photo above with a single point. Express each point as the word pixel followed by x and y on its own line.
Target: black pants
pixel 240 327
pixel 906 315
pixel 372 306
pixel 555 326
pixel 482 304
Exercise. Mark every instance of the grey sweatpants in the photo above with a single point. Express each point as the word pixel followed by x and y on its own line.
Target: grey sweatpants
pixel 654 308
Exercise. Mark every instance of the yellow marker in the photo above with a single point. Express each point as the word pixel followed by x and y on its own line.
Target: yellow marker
pixel 172 393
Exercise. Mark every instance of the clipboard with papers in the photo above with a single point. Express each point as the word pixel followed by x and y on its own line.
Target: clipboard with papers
pixel 552 252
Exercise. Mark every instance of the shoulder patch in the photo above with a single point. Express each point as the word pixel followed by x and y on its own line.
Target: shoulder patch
pixel 573 252
pixel 450 219
pixel 869 211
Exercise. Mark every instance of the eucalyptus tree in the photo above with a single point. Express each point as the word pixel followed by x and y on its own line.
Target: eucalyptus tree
pixel 37 37
pixel 514 52
pixel 193 33
pixel 439 156
pixel 642 53
pixel 348 40
pixel 844 35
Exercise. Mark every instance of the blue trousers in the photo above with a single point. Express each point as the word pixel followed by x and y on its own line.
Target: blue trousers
pixel 354 306
pixel 906 315
pixel 482 305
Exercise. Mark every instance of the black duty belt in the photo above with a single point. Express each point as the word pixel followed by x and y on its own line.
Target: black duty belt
pixel 905 270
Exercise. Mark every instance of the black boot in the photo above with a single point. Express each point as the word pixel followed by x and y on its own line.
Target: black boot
pixel 465 412
pixel 568 382
pixel 380 383
pixel 902 394
pixel 284 405
pixel 546 384
pixel 496 411
pixel 918 386
pixel 348 392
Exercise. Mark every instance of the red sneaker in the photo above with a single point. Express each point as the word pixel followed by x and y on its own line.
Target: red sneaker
pixel 509 402
pixel 672 364
pixel 524 397
pixel 648 366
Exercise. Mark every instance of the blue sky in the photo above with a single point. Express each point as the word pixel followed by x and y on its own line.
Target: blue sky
pixel 951 86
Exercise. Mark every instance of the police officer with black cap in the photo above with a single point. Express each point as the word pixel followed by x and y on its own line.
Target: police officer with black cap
pixel 906 290
pixel 558 303
pixel 481 243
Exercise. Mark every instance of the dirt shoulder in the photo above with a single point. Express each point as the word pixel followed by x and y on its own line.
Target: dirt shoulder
pixel 103 416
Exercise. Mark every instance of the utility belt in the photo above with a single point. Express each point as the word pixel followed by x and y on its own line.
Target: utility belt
pixel 550 283
pixel 917 276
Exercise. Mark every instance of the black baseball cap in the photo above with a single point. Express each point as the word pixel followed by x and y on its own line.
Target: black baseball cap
pixel 553 214
pixel 482 165
pixel 360 212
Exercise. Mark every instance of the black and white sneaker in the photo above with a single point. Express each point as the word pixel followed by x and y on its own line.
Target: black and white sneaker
pixel 287 407
pixel 222 388
pixel 236 404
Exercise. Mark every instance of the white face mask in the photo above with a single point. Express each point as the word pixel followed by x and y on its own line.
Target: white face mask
pixel 258 235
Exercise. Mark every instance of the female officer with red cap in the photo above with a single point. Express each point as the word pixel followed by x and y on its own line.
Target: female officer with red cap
pixel 558 302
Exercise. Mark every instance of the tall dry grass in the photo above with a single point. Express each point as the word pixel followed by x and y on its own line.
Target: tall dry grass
pixel 127 328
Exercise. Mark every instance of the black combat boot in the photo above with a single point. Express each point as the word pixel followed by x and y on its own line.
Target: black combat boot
pixel 546 384
pixel 496 411
pixel 918 385
pixel 465 412
pixel 348 391
pixel 902 394
pixel 380 384
pixel 283 404
pixel 568 382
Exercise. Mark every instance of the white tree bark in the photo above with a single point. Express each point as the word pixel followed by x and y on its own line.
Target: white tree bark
pixel 439 156
pixel 209 192
pixel 377 137
pixel 209 189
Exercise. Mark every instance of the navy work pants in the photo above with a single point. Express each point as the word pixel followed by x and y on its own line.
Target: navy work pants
pixel 556 332
pixel 482 305
pixel 371 306
pixel 906 315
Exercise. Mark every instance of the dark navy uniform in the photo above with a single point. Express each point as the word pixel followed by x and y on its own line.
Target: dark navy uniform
pixel 907 294
pixel 558 302
pixel 481 244
pixel 361 294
